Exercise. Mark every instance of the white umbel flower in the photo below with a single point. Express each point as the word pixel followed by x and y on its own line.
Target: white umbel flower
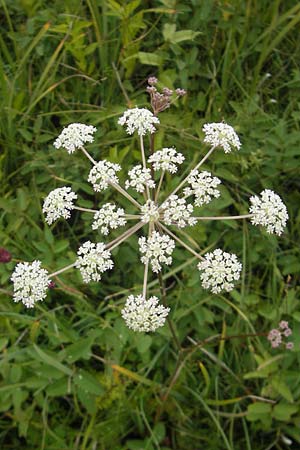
pixel 269 211
pixel 75 136
pixel 58 204
pixel 166 159
pixel 144 315
pixel 176 211
pixel 30 283
pixel 93 260
pixel 139 119
pixel 139 178
pixel 157 250
pixel 109 217
pixel 150 212
pixel 103 173
pixel 221 135
pixel 219 270
pixel 202 186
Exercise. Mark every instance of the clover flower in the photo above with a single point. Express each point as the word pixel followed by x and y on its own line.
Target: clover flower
pixel 144 315
pixel 139 178
pixel 102 174
pixel 221 135
pixel 5 256
pixel 203 187
pixel 58 204
pixel 156 249
pixel 139 119
pixel 30 283
pixel 166 159
pixel 93 260
pixel 277 336
pixel 269 211
pixel 177 212
pixel 74 136
pixel 150 212
pixel 108 217
pixel 219 270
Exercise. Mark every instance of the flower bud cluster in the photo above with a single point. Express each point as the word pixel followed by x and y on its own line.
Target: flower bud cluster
pixel 75 136
pixel 102 174
pixel 269 211
pixel 277 336
pixel 58 204
pixel 166 159
pixel 139 178
pixel 177 212
pixel 156 249
pixel 203 187
pixel 139 119
pixel 109 217
pixel 221 135
pixel 161 101
pixel 144 315
pixel 219 270
pixel 150 212
pixel 93 260
pixel 30 283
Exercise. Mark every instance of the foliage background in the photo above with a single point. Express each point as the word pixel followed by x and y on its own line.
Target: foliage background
pixel 72 376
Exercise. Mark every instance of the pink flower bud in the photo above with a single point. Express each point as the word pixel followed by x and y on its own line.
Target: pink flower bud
pixel 5 256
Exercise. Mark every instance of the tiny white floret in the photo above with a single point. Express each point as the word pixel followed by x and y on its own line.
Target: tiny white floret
pixel 157 250
pixel 59 203
pixel 219 270
pixel 30 283
pixel 139 178
pixel 166 159
pixel 75 136
pixel 269 211
pixel 144 315
pixel 109 217
pixel 221 135
pixel 176 211
pixel 139 119
pixel 93 260
pixel 203 186
pixel 102 174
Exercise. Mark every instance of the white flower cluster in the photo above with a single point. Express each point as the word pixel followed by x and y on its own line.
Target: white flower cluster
pixel 74 136
pixel 144 315
pixel 221 135
pixel 103 173
pixel 30 283
pixel 93 260
pixel 150 212
pixel 139 119
pixel 269 211
pixel 203 187
pixel 156 249
pixel 58 204
pixel 166 159
pixel 109 217
pixel 139 178
pixel 219 270
pixel 177 212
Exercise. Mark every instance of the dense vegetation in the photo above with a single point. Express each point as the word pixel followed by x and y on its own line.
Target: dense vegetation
pixel 72 375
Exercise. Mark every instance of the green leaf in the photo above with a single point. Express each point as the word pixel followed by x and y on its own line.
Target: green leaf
pixel 151 59
pixel 283 411
pixel 258 411
pixel 184 35
pixel 88 383
pixel 51 361
pixel 282 388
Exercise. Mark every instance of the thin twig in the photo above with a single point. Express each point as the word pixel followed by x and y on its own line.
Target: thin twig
pixel 181 242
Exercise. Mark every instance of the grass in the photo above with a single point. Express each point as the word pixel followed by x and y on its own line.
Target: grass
pixel 72 376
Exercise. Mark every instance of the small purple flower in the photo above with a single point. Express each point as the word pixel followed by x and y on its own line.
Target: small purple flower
pixel 180 92
pixel 287 332
pixel 51 285
pixel 5 256
pixel 166 91
pixel 289 345
pixel 283 324
pixel 152 80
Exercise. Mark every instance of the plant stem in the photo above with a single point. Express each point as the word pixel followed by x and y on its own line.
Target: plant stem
pixel 123 192
pixel 243 216
pixel 195 168
pixel 164 302
pixel 61 270
pixel 88 155
pixel 113 244
pixel 180 241
pixel 85 209
pixel 159 185
pixel 144 162
pixel 145 280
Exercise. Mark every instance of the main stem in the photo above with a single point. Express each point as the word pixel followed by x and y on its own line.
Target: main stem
pixel 243 216
pixel 159 185
pixel 70 266
pixel 113 244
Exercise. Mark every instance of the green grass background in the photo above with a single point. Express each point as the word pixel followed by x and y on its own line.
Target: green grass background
pixel 72 376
